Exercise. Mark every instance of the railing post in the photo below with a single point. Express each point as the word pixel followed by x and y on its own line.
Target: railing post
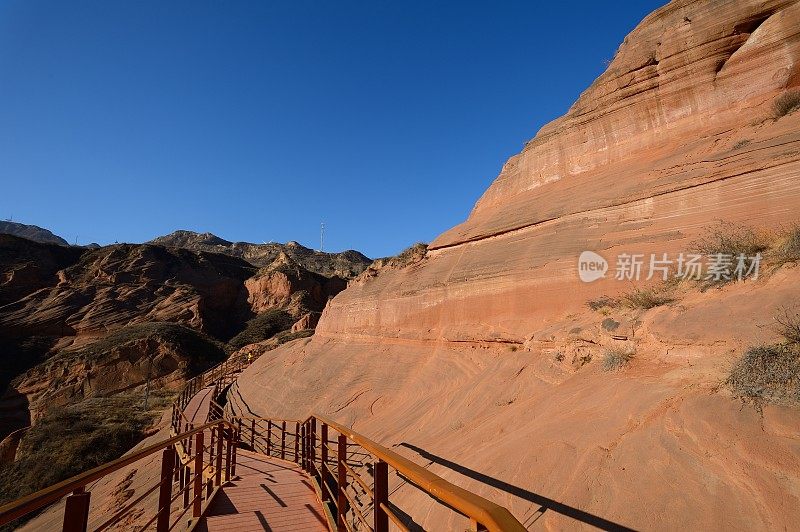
pixel 76 511
pixel 218 456
pixel 381 493
pixel 165 491
pixel 228 452
pixel 304 448
pixel 187 476
pixel 341 481
pixel 212 446
pixel 237 436
pixel 176 467
pixel 269 437
pixel 323 472
pixel 313 445
pixel 283 440
pixel 296 442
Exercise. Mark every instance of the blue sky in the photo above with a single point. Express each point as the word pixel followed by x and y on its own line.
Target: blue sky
pixel 123 121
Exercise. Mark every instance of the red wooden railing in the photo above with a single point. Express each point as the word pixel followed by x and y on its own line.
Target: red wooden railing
pixel 193 467
pixel 350 472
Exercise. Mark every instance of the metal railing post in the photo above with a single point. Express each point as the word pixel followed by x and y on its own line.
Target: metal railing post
pixel 228 452
pixel 269 437
pixel 341 481
pixel 304 449
pixel 198 475
pixel 323 472
pixel 218 457
pixel 187 479
pixel 296 442
pixel 76 511
pixel 381 493
pixel 313 445
pixel 237 436
pixel 165 491
pixel 283 440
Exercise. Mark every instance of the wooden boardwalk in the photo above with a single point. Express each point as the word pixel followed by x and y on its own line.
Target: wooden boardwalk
pixel 266 493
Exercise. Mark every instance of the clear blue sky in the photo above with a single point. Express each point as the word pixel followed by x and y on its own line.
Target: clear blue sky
pixel 258 120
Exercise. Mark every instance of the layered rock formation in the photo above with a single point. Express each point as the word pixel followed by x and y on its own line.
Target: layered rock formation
pixel 482 360
pixel 77 323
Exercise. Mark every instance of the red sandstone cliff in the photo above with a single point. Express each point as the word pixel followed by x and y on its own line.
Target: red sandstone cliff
pixel 482 358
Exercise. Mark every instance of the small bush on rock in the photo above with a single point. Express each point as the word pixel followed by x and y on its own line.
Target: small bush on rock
pixel 602 302
pixel 618 357
pixel 786 103
pixel 767 373
pixel 788 248
pixel 647 298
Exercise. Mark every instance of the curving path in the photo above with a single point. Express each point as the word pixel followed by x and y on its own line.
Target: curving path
pixel 266 493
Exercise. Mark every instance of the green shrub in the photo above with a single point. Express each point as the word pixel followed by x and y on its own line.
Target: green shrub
pixel 786 103
pixel 202 351
pixel 288 336
pixel 618 357
pixel 263 327
pixel 767 373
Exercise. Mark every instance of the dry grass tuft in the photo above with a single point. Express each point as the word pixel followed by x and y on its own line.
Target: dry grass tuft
pixel 786 103
pixel 647 298
pixel 787 248
pixel 77 438
pixel 602 302
pixel 767 373
pixel 618 357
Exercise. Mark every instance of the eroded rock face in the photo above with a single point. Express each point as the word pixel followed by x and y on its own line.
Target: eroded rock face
pixel 482 358
pixel 679 132
pixel 164 354
pixel 124 284
pixel 284 283
pixel 78 323
pixel 61 304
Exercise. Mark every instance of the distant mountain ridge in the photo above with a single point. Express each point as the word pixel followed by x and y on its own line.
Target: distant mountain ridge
pixel 31 232
pixel 346 264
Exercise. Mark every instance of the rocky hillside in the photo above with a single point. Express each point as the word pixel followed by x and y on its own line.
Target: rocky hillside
pixel 31 232
pixel 77 323
pixel 576 403
pixel 346 264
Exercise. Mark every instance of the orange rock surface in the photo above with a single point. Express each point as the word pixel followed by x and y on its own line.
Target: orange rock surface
pixel 482 360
